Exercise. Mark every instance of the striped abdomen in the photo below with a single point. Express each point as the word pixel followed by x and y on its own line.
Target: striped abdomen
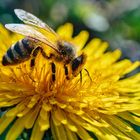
pixel 18 52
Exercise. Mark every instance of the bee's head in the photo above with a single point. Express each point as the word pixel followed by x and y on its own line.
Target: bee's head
pixel 66 50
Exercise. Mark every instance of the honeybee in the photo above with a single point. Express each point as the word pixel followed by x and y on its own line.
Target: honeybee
pixel 36 33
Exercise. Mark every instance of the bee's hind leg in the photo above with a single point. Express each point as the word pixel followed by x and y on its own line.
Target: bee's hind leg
pixel 66 72
pixel 53 71
pixel 34 54
pixel 53 67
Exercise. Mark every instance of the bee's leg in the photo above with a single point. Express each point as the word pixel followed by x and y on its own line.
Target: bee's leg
pixel 67 76
pixel 66 72
pixel 53 71
pixel 34 54
pixel 45 55
pixel 53 67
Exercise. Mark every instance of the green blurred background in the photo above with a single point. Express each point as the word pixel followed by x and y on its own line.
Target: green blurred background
pixel 117 21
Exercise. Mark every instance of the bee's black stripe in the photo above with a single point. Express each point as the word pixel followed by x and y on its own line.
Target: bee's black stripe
pixel 9 57
pixel 18 48
pixel 5 60
pixel 26 46
pixel 10 54
pixel 18 52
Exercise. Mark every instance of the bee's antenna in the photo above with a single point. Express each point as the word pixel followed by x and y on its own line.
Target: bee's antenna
pixel 88 74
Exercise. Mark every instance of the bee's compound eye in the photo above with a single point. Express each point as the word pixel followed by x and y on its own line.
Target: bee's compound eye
pixel 69 49
pixel 63 52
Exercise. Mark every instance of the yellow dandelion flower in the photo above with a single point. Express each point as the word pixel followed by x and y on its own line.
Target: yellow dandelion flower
pixel 103 108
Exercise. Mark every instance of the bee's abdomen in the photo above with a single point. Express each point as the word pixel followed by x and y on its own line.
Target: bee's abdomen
pixel 17 53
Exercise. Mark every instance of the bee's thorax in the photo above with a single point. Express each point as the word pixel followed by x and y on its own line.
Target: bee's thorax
pixel 67 51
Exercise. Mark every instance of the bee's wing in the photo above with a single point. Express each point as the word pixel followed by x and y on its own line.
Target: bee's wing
pixel 29 31
pixel 29 18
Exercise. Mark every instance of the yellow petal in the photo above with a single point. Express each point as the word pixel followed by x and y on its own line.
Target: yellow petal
pixel 37 134
pixel 80 40
pixel 44 121
pixel 132 67
pixel 71 135
pixel 60 115
pixel 58 132
pixel 65 31
pixel 83 134
pixel 92 46
pixel 100 50
pixel 131 118
pixel 16 129
pixel 4 122
pixel 31 117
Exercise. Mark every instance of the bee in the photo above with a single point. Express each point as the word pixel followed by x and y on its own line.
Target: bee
pixel 36 33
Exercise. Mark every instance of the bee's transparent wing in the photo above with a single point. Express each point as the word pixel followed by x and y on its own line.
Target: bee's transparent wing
pixel 29 18
pixel 29 31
